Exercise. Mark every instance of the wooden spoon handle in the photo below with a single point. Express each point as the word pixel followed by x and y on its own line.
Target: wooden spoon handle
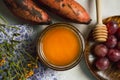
pixel 98 11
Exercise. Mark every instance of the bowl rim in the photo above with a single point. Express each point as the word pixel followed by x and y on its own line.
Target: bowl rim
pixel 87 53
pixel 66 67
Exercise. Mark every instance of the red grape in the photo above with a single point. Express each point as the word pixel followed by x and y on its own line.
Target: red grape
pixel 114 55
pixel 102 63
pixel 100 50
pixel 112 27
pixel 110 50
pixel 118 45
pixel 118 64
pixel 111 41
pixel 118 33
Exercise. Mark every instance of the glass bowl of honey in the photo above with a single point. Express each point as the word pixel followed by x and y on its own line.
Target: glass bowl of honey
pixel 60 46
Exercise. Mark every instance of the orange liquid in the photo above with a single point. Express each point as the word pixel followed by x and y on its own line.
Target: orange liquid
pixel 61 46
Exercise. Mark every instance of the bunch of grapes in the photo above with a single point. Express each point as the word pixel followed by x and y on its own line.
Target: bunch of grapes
pixel 109 51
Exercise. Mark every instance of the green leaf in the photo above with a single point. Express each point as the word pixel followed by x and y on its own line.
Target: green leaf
pixel 15 41
pixel 17 63
pixel 3 20
pixel 2 30
pixel 16 34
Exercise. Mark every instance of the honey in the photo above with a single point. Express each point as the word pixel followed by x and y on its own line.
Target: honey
pixel 60 46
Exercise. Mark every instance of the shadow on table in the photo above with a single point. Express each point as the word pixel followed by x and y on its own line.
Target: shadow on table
pixel 85 70
pixel 83 64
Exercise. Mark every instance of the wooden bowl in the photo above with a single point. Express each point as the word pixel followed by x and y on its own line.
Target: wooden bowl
pixel 112 73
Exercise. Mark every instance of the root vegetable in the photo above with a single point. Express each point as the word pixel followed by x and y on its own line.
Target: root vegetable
pixel 69 9
pixel 27 10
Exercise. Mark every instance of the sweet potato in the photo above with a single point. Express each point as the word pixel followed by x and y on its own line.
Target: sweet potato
pixel 27 10
pixel 69 9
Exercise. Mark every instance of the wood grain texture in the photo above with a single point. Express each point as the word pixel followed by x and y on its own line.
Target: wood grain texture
pixel 113 18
